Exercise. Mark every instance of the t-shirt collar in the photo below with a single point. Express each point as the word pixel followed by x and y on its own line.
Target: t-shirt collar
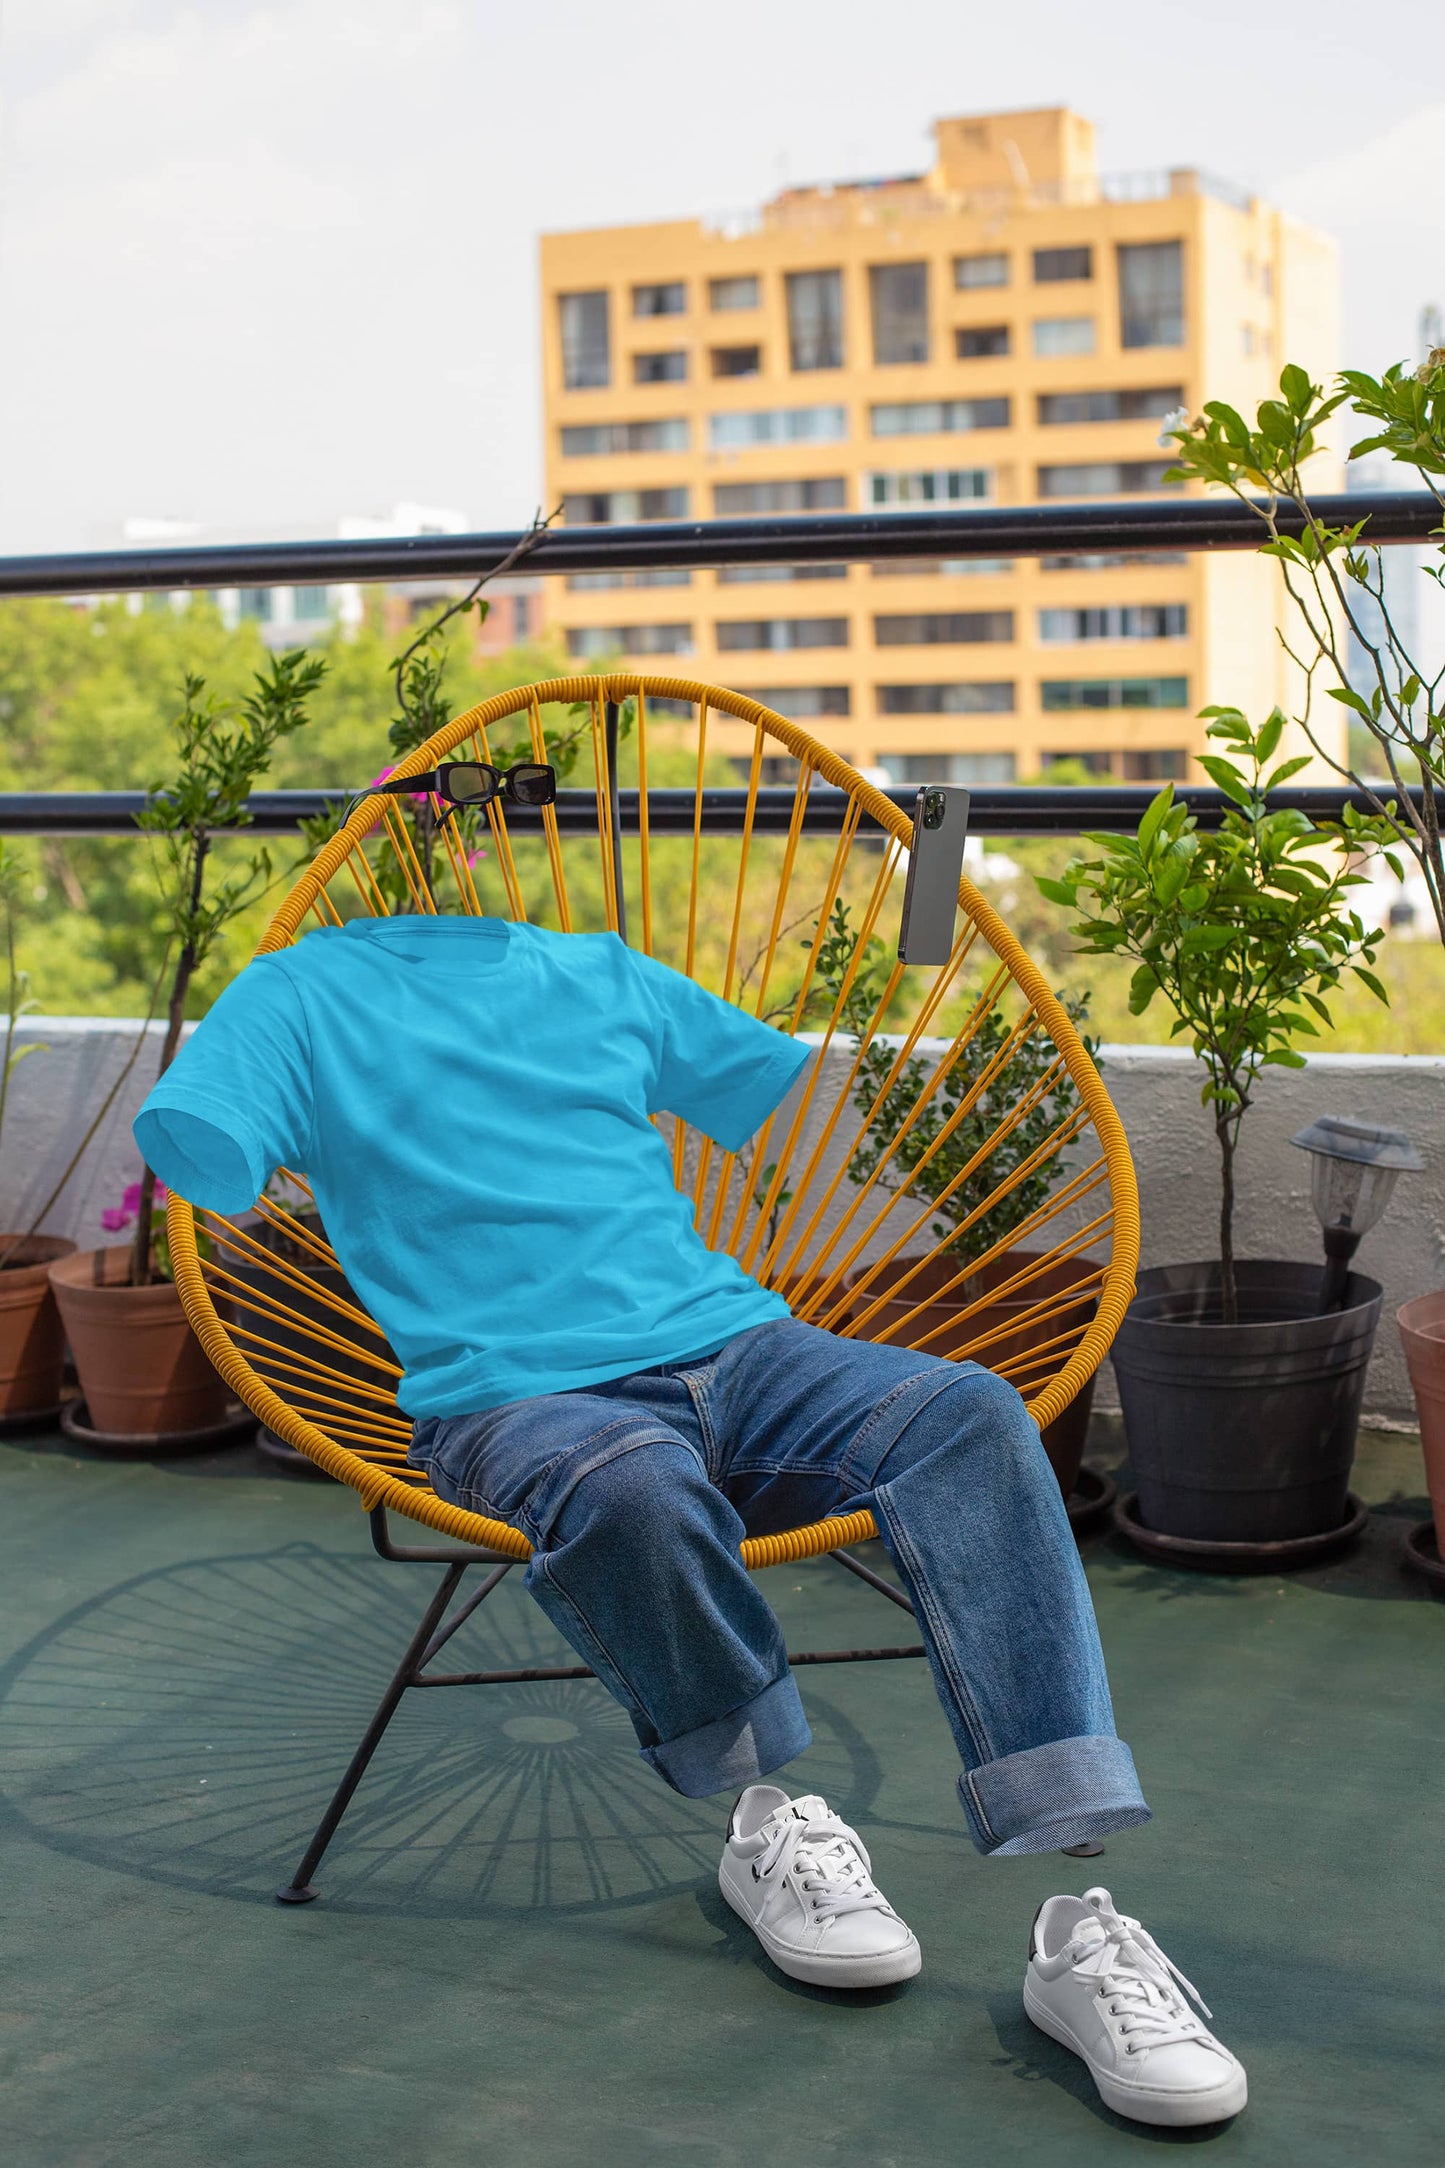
pixel 453 943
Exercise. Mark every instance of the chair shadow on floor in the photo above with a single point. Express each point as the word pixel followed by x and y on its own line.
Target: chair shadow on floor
pixel 188 1725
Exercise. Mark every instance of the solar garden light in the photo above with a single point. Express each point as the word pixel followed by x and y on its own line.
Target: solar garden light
pixel 1354 1168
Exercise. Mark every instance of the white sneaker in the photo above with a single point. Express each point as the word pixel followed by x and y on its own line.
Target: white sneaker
pixel 802 1880
pixel 1098 1984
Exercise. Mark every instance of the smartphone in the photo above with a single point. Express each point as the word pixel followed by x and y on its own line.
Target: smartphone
pixel 935 866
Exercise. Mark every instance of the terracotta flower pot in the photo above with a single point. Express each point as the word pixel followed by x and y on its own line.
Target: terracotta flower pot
pixel 142 1370
pixel 32 1340
pixel 1063 1438
pixel 1422 1329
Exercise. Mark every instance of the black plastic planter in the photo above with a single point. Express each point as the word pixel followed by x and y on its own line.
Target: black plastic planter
pixel 1243 1433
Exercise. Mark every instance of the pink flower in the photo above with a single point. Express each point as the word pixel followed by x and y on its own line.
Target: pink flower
pixel 115 1217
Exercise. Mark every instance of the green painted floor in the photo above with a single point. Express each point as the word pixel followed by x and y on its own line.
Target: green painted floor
pixel 521 1955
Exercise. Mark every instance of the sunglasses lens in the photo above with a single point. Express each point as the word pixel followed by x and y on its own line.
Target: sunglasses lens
pixel 468 784
pixel 533 785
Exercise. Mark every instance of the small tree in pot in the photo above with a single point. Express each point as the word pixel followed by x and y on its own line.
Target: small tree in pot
pixel 142 1372
pixel 980 1152
pixel 1240 1399
pixel 1335 577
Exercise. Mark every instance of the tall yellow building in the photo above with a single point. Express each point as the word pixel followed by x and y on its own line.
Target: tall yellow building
pixel 1009 328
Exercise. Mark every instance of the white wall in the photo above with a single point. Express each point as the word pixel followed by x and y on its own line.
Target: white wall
pixel 1156 1090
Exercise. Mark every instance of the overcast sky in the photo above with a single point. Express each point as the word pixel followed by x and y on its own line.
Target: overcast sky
pixel 262 265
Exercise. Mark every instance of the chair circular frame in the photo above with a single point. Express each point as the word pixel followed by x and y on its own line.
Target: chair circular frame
pixel 377 1485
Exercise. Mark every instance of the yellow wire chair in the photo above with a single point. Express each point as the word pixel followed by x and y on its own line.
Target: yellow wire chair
pixel 750 915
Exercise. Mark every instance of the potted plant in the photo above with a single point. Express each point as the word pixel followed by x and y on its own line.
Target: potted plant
pixel 32 1345
pixel 1240 1393
pixel 1395 699
pixel 936 1301
pixel 144 1377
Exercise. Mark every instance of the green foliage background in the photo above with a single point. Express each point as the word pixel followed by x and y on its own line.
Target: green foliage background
pixel 87 698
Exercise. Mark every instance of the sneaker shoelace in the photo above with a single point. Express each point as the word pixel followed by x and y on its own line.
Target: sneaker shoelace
pixel 1136 1980
pixel 828 1860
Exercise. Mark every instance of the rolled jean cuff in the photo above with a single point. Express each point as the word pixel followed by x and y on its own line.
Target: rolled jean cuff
pixel 1068 1792
pixel 736 1749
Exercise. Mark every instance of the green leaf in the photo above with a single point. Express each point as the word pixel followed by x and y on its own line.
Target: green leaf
pixel 1372 982
pixel 1057 892
pixel 1153 817
pixel 1226 777
pixel 1297 388
pixel 1270 732
pixel 1142 989
pixel 1349 698
pixel 1285 770
pixel 1285 1057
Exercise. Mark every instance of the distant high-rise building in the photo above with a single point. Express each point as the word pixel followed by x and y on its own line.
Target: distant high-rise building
pixel 1008 328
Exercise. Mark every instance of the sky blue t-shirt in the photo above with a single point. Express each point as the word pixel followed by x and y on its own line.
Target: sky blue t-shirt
pixel 469 1100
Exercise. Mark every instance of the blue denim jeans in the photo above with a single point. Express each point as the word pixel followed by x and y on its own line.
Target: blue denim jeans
pixel 636 1494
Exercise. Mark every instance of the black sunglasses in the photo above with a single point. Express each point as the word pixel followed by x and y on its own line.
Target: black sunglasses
pixel 477 782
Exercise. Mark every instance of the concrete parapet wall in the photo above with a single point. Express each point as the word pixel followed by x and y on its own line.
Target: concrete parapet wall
pixel 53 1097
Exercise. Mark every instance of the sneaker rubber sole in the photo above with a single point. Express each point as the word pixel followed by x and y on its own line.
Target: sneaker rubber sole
pixel 870 1969
pixel 1141 2105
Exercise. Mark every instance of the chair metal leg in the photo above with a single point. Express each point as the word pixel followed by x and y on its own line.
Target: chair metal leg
pixel 298 1891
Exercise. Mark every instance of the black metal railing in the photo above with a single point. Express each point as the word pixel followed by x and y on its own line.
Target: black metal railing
pixel 1030 530
pixel 1153 524
pixel 1013 810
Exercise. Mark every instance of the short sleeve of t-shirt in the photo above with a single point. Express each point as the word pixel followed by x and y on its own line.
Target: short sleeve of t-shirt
pixel 719 1069
pixel 236 1103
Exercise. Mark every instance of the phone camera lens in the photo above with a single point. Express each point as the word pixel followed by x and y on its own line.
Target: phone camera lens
pixel 933 808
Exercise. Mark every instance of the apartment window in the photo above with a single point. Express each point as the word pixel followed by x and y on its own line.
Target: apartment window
pixel 256 603
pixel 668 299
pixel 971 770
pixel 600 582
pixel 957 568
pixel 798 701
pixel 938 417
pixel 586 341
pixel 667 367
pixel 587 641
pixel 740 293
pixel 1064 408
pixel 979 342
pixel 1165 764
pixel 944 628
pixel 591 440
pixel 738 634
pixel 737 361
pixel 740 500
pixel 1266 281
pixel 1151 293
pixel 815 319
pixel 1140 692
pixel 971 272
pixel 943 485
pixel 777 425
pixel 310 604
pixel 1105 478
pixel 991 697
pixel 749 575
pixel 1091 763
pixel 619 507
pixel 899 296
pixel 1053 265
pixel 1117 621
pixel 1112 561
pixel 521 617
pixel 1060 335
